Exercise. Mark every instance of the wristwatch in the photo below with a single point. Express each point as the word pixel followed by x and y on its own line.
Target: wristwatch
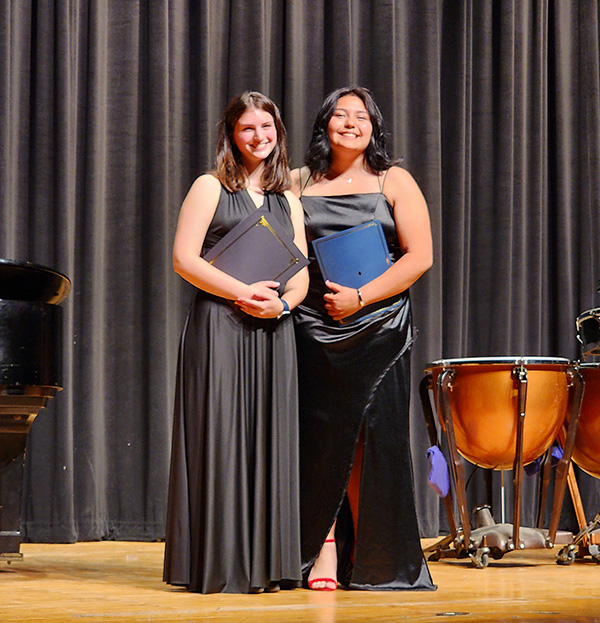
pixel 286 309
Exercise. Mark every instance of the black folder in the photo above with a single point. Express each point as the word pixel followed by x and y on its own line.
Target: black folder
pixel 354 257
pixel 257 249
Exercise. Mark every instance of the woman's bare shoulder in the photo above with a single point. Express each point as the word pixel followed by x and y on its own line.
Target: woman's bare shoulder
pixel 205 184
pixel 299 179
pixel 398 175
pixel 207 180
pixel 205 190
pixel 292 199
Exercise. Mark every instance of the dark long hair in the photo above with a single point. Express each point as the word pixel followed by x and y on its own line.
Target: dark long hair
pixel 318 154
pixel 228 164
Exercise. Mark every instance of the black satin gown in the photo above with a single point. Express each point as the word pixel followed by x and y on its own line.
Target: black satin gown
pixel 233 516
pixel 352 376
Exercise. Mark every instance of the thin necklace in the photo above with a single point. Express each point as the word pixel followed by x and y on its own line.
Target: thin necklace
pixel 348 179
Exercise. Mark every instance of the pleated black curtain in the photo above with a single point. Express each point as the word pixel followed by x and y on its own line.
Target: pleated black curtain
pixel 108 111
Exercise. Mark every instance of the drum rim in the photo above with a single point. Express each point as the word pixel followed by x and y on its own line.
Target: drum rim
pixel 588 314
pixel 515 360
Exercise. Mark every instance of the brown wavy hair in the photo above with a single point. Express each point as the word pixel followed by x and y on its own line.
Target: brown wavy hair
pixel 229 168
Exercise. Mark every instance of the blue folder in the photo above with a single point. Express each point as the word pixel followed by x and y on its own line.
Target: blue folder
pixel 354 256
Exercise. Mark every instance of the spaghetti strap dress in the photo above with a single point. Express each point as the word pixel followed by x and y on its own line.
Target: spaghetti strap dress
pixel 233 510
pixel 355 377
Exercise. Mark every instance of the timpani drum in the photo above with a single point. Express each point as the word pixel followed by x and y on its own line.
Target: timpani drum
pixel 483 395
pixel 588 331
pixel 586 452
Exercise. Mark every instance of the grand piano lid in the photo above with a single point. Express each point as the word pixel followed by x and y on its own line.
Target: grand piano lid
pixel 25 281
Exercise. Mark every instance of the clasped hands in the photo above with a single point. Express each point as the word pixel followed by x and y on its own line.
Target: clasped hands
pixel 264 302
pixel 340 303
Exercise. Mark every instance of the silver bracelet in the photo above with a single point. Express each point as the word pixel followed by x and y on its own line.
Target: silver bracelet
pixel 360 298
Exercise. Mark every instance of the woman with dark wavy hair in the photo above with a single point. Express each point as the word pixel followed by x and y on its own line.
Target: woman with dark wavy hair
pixel 232 516
pixel 319 153
pixel 358 519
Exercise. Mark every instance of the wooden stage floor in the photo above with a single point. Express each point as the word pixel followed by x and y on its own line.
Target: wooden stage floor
pixel 121 581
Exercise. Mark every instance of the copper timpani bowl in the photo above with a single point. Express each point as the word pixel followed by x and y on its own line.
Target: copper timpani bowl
pixel 484 406
pixel 586 453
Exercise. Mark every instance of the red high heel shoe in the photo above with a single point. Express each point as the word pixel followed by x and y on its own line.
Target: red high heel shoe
pixel 330 583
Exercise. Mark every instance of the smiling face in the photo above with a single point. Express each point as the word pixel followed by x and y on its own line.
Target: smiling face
pixel 350 125
pixel 255 135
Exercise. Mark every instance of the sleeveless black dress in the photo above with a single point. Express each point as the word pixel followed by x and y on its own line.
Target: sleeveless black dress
pixel 352 376
pixel 233 517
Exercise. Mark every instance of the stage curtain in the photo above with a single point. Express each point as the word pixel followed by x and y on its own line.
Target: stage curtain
pixel 108 111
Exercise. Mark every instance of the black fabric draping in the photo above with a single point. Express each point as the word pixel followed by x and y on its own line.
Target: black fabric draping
pixel 108 112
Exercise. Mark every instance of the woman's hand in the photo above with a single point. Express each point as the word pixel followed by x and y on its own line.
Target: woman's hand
pixel 341 302
pixel 264 302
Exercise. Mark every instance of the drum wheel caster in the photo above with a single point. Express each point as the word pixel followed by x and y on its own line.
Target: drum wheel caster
pixel 481 558
pixel 594 551
pixel 566 556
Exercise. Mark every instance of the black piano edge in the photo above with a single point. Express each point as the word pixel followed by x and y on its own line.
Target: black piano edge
pixel 27 281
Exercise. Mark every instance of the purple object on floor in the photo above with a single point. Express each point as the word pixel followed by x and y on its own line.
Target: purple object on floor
pixel 438 480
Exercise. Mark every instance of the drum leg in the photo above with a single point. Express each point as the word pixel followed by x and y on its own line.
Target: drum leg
pixel 520 373
pixel 456 465
pixel 573 486
pixel 544 483
pixel 489 491
pixel 576 388
pixel 424 389
pixel 424 392
pixel 576 498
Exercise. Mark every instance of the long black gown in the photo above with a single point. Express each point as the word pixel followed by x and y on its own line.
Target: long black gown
pixel 233 516
pixel 352 376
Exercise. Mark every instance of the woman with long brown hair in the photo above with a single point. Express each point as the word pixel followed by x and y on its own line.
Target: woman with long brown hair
pixel 233 519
